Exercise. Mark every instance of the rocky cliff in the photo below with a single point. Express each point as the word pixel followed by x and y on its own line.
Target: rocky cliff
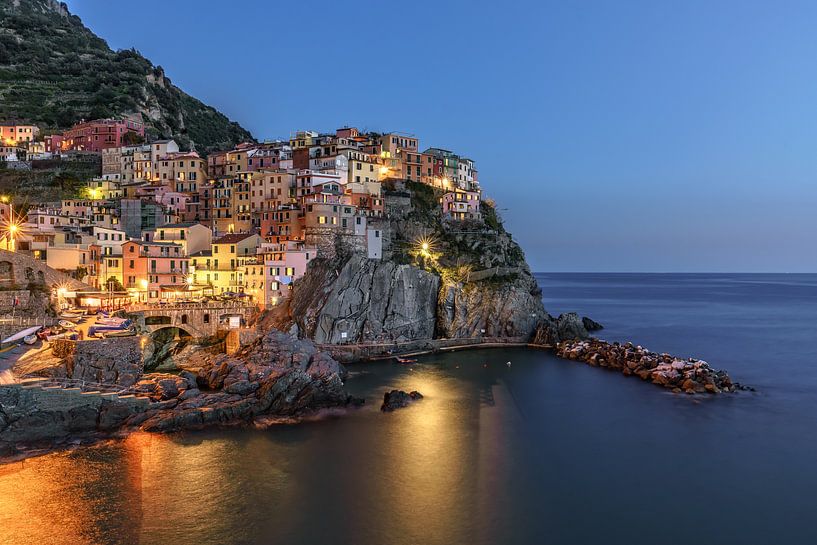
pixel 362 300
pixel 472 282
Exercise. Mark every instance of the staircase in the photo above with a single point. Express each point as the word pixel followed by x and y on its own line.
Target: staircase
pixel 59 393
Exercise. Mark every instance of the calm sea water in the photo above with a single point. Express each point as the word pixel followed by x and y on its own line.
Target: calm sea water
pixel 543 451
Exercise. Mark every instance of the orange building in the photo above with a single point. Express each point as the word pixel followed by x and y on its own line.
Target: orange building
pixel 154 270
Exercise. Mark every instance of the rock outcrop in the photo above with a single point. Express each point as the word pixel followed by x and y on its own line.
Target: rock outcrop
pixel 501 307
pixel 398 399
pixel 363 300
pixel 272 375
pixel 550 331
pixel 692 376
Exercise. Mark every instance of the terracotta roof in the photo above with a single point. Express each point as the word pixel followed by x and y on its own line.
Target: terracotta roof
pixel 232 238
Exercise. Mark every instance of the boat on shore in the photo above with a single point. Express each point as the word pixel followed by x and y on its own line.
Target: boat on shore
pixel 129 332
pixel 23 335
pixel 405 360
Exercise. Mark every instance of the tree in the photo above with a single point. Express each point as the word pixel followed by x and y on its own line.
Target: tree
pixel 132 139
pixel 114 284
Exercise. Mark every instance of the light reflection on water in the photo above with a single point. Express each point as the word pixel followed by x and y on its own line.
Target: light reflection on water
pixel 545 451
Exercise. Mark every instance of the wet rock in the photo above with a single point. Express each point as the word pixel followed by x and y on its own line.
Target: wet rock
pixel 691 375
pixel 591 325
pixel 397 399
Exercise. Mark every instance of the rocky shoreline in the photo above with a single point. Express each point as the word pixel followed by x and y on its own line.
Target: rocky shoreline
pixel 257 377
pixel 691 376
pixel 270 375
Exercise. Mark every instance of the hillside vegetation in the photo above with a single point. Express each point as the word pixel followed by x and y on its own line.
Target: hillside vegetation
pixel 54 71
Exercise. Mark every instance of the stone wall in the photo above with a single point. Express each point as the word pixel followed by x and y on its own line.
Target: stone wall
pixel 110 361
pixel 7 299
pixel 17 269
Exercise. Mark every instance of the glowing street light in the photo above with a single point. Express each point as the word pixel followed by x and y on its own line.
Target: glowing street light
pixel 424 246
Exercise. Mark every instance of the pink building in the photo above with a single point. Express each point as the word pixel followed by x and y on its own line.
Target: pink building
pixel 269 280
pixel 99 134
pixel 53 143
pixel 461 205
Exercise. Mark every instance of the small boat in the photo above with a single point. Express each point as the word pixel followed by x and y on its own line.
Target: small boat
pixel 17 337
pixel 112 321
pixel 30 339
pixel 70 315
pixel 67 325
pixel 130 332
pixel 405 360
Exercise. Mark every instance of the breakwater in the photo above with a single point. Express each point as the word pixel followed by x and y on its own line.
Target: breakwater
pixel 690 375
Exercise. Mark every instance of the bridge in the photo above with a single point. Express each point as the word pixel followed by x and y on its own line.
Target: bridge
pixel 197 320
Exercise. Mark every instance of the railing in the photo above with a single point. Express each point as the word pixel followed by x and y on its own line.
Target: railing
pixel 139 307
pixel 27 321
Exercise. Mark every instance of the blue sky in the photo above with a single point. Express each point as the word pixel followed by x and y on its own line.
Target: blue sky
pixel 618 136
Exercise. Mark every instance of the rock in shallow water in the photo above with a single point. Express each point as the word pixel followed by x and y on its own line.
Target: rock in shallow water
pixel 397 399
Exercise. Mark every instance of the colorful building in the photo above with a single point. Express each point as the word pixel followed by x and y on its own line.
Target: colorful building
pixel 154 270
pixel 99 134
pixel 461 205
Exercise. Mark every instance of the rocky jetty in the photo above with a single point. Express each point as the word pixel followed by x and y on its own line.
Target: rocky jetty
pixel 692 376
pixel 398 399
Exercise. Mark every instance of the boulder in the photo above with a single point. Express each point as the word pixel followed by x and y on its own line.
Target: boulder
pixel 397 399
pixel 591 325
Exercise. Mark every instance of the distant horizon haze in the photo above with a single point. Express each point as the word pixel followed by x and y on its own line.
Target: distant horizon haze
pixel 615 137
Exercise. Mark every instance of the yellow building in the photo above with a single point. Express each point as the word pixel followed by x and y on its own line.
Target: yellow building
pixel 222 269
pixel 363 167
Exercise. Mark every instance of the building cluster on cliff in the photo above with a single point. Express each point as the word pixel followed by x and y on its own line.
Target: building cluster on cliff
pixel 163 224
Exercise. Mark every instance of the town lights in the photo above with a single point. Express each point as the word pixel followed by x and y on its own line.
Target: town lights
pixel 424 247
pixel 12 231
pixel 144 284
pixel 189 280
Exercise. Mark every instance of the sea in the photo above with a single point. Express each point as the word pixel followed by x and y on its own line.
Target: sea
pixel 508 446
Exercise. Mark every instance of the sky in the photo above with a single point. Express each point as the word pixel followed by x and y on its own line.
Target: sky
pixel 627 136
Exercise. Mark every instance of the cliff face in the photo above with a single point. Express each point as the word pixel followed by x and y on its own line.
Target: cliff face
pixel 54 71
pixel 502 307
pixel 362 300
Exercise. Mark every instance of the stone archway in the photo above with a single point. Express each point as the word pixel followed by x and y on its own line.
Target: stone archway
pixel 164 343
